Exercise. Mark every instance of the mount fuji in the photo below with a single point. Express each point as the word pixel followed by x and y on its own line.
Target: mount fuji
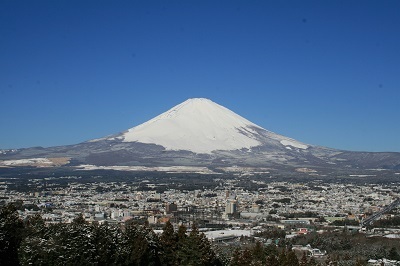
pixel 202 126
pixel 198 133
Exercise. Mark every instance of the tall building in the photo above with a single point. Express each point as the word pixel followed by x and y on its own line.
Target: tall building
pixel 231 207
pixel 170 208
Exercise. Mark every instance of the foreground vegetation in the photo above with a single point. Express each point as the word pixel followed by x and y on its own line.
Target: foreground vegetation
pixel 32 242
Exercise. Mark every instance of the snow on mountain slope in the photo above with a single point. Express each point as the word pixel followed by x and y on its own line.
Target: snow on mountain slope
pixel 198 125
pixel 293 143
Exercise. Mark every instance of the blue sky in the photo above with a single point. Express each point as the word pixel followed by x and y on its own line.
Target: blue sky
pixel 322 72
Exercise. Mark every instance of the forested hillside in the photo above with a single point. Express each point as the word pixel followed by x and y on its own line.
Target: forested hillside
pixel 32 242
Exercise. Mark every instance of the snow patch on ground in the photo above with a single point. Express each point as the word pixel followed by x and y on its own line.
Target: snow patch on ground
pixel 26 162
pixel 392 236
pixel 38 162
pixel 221 234
pixel 167 169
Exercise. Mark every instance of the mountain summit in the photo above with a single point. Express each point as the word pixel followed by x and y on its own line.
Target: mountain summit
pixel 199 133
pixel 200 125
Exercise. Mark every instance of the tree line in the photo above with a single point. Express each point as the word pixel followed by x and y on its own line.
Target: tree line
pixel 32 242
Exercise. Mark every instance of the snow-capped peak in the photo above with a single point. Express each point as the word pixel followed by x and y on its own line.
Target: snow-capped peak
pixel 198 125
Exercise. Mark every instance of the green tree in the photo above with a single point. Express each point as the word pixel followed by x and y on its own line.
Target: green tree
pixel 393 254
pixel 76 242
pixel 195 249
pixel 291 259
pixel 241 257
pixel 34 244
pixel 181 245
pixel 11 233
pixel 282 257
pixel 271 250
pixel 169 245
pixel 272 260
pixel 312 262
pixel 106 242
pixel 360 262
pixel 140 246
pixel 303 260
pixel 330 261
pixel 258 253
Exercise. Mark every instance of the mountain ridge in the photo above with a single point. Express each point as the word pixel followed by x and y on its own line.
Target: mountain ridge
pixel 199 132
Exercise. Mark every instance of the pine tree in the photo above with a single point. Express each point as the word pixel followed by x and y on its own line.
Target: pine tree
pixel 181 251
pixel 312 262
pixel 272 260
pixel 330 261
pixel 11 230
pixel 31 248
pixel 77 242
pixel 303 261
pixel 360 262
pixel 241 257
pixel 140 246
pixel 169 245
pixel 282 257
pixel 235 257
pixel 393 254
pixel 291 259
pixel 34 225
pixel 271 250
pixel 208 256
pixel 107 242
pixel 194 249
pixel 258 253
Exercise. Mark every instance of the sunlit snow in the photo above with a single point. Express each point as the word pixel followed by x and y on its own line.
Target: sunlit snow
pixel 27 161
pixel 293 143
pixel 198 125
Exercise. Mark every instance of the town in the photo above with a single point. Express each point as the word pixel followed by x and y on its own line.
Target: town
pixel 227 210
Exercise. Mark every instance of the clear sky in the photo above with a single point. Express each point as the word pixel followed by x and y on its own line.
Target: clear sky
pixel 321 72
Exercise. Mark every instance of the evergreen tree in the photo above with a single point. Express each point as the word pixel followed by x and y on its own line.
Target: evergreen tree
pixel 77 242
pixel 282 257
pixel 258 253
pixel 67 244
pixel 34 225
pixel 272 260
pixel 291 259
pixel 169 245
pixel 195 249
pixel 140 246
pixel 107 240
pixel 393 254
pixel 34 244
pixel 181 252
pixel 360 262
pixel 241 257
pixel 303 261
pixel 330 261
pixel 312 262
pixel 11 230
pixel 271 250
pixel 222 258
pixel 208 256
pixel 79 220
